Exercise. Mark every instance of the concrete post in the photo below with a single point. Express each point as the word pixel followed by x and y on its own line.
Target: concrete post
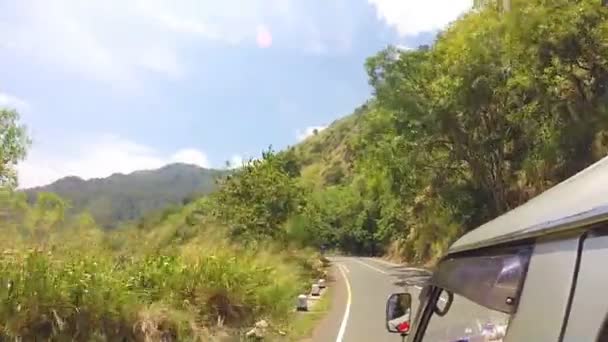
pixel 302 302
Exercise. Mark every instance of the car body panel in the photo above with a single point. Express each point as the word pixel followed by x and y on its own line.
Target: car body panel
pixel 589 304
pixel 544 297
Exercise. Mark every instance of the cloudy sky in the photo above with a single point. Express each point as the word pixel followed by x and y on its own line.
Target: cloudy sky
pixel 114 86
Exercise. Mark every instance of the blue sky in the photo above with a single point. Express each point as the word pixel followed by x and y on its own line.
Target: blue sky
pixel 115 86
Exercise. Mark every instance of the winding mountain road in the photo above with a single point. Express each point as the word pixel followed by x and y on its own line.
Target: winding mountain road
pixel 362 286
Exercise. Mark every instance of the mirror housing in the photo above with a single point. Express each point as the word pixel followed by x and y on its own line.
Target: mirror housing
pixel 398 312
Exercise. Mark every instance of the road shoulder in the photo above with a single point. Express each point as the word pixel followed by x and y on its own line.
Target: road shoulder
pixel 328 326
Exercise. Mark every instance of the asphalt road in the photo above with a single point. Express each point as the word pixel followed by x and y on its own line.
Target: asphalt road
pixel 362 286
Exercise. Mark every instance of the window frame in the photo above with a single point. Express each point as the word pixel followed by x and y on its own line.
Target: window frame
pixel 434 291
pixel 588 255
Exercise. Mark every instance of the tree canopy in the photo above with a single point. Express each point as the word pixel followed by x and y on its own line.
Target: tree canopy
pixel 13 146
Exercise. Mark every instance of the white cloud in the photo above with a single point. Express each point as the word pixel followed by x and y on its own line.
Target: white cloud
pixel 56 35
pixel 116 41
pixel 11 101
pixel 411 17
pixel 162 61
pixel 106 156
pixel 404 47
pixel 181 25
pixel 308 131
pixel 191 156
pixel 236 161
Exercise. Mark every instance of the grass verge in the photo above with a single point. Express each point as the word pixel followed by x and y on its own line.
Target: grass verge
pixel 305 322
pixel 304 325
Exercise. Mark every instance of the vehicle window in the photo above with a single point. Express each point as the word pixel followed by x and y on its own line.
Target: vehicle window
pixel 480 293
pixel 466 321
pixel 493 280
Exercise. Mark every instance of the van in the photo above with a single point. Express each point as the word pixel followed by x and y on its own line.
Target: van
pixel 537 273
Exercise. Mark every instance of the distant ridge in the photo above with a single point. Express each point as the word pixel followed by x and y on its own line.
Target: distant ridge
pixel 124 197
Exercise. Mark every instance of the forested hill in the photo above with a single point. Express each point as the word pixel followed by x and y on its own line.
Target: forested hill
pixel 123 197
pixel 327 157
pixel 502 106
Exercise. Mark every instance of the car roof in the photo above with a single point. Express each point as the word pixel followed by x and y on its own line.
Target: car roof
pixel 581 199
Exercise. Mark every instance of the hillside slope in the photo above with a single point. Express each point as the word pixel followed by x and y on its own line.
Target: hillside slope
pixel 127 197
pixel 327 157
pixel 499 109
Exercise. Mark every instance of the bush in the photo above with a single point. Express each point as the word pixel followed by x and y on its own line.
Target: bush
pixel 76 295
pixel 176 281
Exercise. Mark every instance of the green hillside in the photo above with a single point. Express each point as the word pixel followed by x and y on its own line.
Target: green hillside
pixel 327 158
pixel 120 197
pixel 501 107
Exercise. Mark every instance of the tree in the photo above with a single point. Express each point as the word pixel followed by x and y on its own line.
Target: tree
pixel 504 105
pixel 13 146
pixel 259 198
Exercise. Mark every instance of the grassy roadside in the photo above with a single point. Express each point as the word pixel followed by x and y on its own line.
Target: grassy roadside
pixel 305 323
pixel 182 280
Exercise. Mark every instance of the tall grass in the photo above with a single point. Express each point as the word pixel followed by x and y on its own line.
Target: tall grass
pixel 179 281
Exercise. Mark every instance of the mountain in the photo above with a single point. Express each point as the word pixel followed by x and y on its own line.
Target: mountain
pixel 123 197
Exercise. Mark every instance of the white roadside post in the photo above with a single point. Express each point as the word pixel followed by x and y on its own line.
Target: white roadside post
pixel 315 290
pixel 302 302
pixel 321 283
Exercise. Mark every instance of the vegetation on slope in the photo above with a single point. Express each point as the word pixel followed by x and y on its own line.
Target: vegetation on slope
pixel 179 280
pixel 121 198
pixel 501 107
pixel 180 275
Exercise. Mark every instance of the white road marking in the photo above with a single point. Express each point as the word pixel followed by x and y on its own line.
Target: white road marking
pixel 345 268
pixel 387 262
pixel 370 266
pixel 398 265
pixel 348 301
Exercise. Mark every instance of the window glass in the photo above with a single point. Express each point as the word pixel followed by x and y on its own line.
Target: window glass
pixel 466 321
pixel 493 281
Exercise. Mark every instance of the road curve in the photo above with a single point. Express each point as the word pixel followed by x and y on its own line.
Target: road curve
pixel 361 289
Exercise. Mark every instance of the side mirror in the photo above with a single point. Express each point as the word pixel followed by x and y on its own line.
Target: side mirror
pixel 398 310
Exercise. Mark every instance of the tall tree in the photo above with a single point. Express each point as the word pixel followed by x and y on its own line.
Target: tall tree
pixel 13 146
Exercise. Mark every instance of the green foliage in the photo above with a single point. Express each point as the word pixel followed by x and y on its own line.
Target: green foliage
pixel 79 284
pixel 46 215
pixel 334 174
pixel 13 145
pixel 505 104
pixel 259 198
